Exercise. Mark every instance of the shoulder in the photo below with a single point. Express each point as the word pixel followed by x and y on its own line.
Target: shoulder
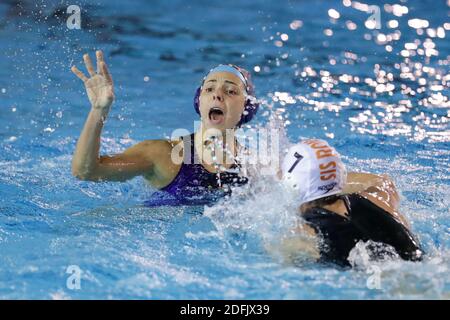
pixel 163 157
pixel 380 189
pixel 152 146
pixel 361 181
pixel 159 151
pixel 161 143
pixel 155 152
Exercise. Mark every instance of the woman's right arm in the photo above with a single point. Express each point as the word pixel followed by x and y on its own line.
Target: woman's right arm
pixel 88 165
pixel 86 162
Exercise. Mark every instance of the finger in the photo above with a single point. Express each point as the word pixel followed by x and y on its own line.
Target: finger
pixel 88 63
pixel 79 74
pixel 100 59
pixel 105 72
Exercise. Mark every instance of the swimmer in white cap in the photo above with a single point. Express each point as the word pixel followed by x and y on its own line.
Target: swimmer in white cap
pixel 344 211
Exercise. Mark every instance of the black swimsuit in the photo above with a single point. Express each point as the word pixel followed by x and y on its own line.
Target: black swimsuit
pixel 365 221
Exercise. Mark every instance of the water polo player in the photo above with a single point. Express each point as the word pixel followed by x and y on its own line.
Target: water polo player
pixel 344 211
pixel 224 100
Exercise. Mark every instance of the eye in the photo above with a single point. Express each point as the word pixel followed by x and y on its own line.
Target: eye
pixel 232 92
pixel 208 89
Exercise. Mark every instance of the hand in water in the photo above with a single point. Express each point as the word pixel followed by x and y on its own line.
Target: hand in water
pixel 99 86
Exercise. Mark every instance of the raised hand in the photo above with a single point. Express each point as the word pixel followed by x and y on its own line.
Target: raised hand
pixel 99 86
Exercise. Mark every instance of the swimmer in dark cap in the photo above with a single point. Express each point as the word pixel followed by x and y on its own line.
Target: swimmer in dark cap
pixel 224 100
pixel 343 211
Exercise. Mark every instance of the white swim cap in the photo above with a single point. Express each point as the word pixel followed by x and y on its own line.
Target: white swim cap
pixel 314 169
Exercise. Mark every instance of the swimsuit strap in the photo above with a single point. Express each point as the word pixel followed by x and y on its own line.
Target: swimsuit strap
pixel 193 153
pixel 347 204
pixel 188 158
pixel 195 158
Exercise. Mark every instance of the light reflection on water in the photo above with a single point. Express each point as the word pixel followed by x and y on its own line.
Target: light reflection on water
pixel 379 95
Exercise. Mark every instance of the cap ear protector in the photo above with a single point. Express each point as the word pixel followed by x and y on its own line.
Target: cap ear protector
pixel 251 105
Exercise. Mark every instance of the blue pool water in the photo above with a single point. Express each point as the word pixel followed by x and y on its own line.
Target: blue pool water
pixel 380 96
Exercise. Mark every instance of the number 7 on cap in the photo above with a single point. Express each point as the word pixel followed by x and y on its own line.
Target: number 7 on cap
pixel 299 157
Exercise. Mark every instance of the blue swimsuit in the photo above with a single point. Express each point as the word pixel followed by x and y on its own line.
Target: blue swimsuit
pixel 194 185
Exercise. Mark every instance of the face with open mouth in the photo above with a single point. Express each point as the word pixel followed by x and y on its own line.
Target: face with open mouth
pixel 222 100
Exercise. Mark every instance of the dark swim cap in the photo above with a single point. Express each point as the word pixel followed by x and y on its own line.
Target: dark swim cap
pixel 251 105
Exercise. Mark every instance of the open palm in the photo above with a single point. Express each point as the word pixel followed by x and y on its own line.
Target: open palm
pixel 99 86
